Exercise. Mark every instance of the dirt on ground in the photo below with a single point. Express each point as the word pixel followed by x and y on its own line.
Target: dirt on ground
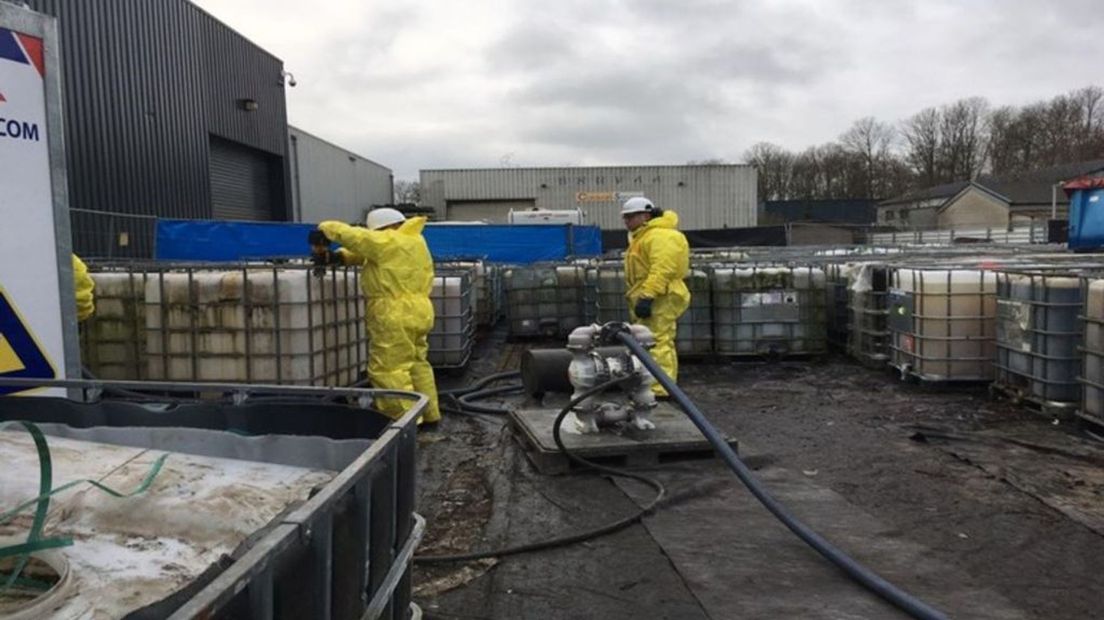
pixel 1008 497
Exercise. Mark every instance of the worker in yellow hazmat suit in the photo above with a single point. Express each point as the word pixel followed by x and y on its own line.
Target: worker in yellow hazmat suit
pixel 84 287
pixel 656 263
pixel 397 278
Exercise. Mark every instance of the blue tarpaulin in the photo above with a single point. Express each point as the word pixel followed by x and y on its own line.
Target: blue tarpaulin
pixel 206 240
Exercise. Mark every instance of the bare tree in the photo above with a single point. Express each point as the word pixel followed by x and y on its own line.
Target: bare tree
pixel 1004 153
pixel 1090 102
pixel 870 141
pixel 963 141
pixel 407 192
pixel 955 142
pixel 921 132
pixel 775 167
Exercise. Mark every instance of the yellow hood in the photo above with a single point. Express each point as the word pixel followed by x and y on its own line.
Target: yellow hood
pixel 668 220
pixel 413 225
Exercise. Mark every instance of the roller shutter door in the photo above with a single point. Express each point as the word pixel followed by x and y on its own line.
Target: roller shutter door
pixel 241 182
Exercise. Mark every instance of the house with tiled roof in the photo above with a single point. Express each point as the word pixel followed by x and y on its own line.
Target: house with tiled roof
pixel 988 201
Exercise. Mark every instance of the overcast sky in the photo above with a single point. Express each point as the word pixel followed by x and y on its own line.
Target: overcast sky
pixel 446 83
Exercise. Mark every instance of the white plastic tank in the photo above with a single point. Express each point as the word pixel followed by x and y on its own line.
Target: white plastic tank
pixel 113 340
pixel 255 325
pixel 943 322
pixel 769 310
pixel 695 326
pixel 484 306
pixel 609 282
pixel 450 342
pixel 545 300
pixel 1092 377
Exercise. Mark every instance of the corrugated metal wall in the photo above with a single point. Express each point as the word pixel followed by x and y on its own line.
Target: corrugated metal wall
pixel 145 84
pixel 705 197
pixel 332 183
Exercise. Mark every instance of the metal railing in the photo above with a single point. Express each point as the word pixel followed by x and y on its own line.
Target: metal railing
pixel 1018 234
pixel 104 234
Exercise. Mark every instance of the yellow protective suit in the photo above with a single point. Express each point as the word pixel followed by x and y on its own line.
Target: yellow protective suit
pixel 397 279
pixel 656 263
pixel 84 287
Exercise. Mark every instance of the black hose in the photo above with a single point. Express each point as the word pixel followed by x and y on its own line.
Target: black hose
pixel 868 578
pixel 562 541
pixel 465 401
pixel 489 379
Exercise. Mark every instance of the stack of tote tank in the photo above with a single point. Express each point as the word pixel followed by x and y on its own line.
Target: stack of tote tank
pixel 769 310
pixel 252 324
pixel 453 335
pixel 257 324
pixel 545 299
pixel 113 341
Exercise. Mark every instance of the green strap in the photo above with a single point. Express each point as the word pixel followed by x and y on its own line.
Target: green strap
pixel 34 541
pixel 141 488
pixel 31 547
pixel 45 481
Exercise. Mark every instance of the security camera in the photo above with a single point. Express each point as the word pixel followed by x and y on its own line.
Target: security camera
pixel 286 75
pixel 291 82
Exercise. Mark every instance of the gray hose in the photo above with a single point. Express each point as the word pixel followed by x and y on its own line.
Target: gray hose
pixel 868 578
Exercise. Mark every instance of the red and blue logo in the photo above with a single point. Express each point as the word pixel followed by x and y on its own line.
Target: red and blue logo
pixel 21 48
pixel 26 50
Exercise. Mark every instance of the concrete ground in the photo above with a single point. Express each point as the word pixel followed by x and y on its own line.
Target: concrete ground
pixel 979 508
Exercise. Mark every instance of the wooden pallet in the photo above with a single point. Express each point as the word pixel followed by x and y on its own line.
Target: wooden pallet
pixel 675 438
pixel 1092 425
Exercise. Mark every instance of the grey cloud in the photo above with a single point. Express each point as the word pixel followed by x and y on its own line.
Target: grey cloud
pixel 532 46
pixel 656 81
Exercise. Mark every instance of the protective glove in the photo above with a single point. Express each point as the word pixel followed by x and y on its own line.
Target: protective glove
pixel 643 308
pixel 317 240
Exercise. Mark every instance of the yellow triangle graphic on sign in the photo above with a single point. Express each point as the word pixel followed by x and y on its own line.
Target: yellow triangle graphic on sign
pixel 9 361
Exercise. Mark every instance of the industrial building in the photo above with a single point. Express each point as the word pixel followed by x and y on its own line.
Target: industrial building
pixel 331 183
pixel 170 113
pixel 705 197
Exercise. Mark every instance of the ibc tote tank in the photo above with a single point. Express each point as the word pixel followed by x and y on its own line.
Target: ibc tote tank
pixel 113 340
pixel 255 325
pixel 450 342
pixel 943 323
pixel 1092 375
pixel 1038 333
pixel 868 340
pixel 768 310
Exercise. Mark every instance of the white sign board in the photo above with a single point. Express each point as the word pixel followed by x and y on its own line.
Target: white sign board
pixel 33 306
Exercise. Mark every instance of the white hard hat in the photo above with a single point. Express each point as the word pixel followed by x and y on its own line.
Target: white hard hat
pixel 382 218
pixel 637 204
